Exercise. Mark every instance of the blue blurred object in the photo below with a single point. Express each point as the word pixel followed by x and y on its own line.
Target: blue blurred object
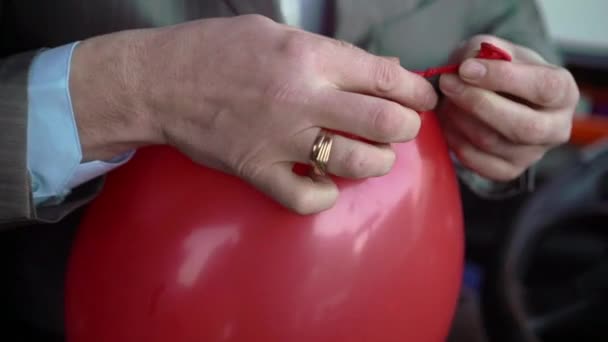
pixel 472 276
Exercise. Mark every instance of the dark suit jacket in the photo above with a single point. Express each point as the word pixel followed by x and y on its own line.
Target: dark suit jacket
pixel 421 32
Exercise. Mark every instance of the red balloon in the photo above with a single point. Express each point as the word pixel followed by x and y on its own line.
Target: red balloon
pixel 172 251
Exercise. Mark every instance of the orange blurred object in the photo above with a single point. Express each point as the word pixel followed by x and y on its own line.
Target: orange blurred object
pixel 172 251
pixel 587 130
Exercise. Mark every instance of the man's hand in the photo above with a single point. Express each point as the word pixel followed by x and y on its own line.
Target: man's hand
pixel 247 96
pixel 501 117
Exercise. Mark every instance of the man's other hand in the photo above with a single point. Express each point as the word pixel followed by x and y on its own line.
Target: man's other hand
pixel 501 117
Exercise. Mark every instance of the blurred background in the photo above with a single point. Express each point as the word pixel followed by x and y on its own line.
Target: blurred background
pixel 580 29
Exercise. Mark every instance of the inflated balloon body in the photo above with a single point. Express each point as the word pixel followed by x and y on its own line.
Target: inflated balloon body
pixel 172 251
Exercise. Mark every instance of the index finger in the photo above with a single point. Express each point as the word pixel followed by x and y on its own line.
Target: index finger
pixel 355 70
pixel 543 85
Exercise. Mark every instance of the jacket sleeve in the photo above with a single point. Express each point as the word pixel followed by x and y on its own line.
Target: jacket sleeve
pixel 16 204
pixel 15 200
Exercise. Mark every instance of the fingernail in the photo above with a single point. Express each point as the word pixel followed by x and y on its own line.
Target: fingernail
pixel 451 84
pixel 472 69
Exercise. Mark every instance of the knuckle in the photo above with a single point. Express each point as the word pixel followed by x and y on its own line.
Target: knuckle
pixel 257 19
pixel 343 44
pixel 297 48
pixel 393 122
pixel 563 135
pixel 571 92
pixel 355 163
pixel 425 95
pixel 505 72
pixel 552 86
pixel 530 158
pixel 562 132
pixel 509 172
pixel 385 76
pixel 533 131
pixel 463 152
pixel 385 120
pixel 488 140
pixel 573 89
pixel 479 104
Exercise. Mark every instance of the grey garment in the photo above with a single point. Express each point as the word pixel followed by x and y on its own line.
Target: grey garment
pixel 421 33
pixel 309 15
pixel 15 203
pixel 313 15
pixel 489 189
